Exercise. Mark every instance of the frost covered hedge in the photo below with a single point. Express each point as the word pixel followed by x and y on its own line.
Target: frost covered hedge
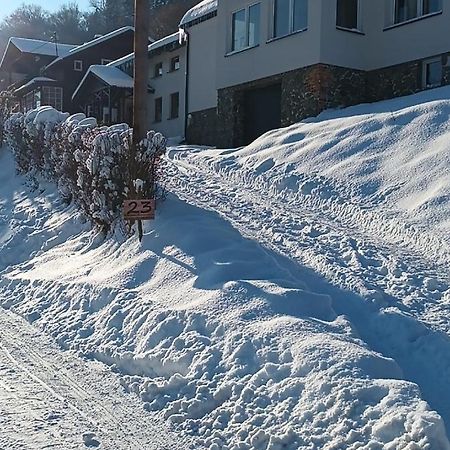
pixel 92 166
pixel 7 104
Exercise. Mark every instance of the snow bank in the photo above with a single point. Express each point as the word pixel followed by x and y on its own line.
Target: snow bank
pixel 232 343
pixel 290 294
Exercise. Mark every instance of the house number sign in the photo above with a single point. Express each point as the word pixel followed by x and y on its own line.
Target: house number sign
pixel 139 209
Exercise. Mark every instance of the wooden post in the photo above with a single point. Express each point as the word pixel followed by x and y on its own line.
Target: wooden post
pixel 141 32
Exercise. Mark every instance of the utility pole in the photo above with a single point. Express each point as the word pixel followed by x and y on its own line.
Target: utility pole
pixel 140 100
pixel 141 32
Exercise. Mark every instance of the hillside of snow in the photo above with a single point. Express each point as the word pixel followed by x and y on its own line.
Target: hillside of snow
pixel 290 294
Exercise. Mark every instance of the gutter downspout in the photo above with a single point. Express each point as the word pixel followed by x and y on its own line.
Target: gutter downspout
pixel 186 88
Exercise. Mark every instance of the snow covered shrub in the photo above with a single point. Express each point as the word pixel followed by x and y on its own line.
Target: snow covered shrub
pixel 7 105
pixel 94 167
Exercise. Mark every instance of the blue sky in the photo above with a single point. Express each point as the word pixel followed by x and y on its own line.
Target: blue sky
pixel 7 6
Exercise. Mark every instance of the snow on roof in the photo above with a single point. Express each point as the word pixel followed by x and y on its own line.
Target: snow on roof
pixel 111 75
pixel 154 46
pixel 89 44
pixel 198 11
pixel 35 81
pixel 39 47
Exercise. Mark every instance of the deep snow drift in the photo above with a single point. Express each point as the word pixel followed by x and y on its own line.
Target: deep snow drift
pixel 271 305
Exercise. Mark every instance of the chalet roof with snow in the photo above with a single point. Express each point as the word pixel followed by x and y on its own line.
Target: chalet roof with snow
pixel 200 12
pixel 108 75
pixel 92 43
pixel 24 49
pixel 34 82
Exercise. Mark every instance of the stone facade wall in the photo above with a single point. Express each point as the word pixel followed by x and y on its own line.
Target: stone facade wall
pixel 202 127
pixel 308 91
pixel 395 81
pixel 304 93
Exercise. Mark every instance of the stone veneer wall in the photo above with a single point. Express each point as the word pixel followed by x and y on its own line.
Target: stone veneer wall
pixel 202 127
pixel 394 81
pixel 304 92
pixel 308 91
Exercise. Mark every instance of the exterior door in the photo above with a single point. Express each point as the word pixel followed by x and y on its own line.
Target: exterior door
pixel 262 111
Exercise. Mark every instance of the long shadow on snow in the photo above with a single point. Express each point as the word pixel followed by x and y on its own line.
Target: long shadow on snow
pixel 221 255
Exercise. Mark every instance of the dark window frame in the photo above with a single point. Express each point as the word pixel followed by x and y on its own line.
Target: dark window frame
pixel 158 110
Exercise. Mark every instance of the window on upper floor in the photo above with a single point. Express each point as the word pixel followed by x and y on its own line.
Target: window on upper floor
pixel 174 105
pixel 405 10
pixel 158 70
pixel 78 65
pixel 175 64
pixel 347 14
pixel 432 72
pixel 289 16
pixel 158 109
pixel 245 27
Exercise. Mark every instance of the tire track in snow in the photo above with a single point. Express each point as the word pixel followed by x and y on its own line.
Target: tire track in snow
pixel 96 414
pixel 401 315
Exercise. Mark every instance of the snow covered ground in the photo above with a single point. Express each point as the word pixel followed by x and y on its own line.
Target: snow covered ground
pixel 291 294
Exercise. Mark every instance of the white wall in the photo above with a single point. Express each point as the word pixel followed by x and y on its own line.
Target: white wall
pixel 202 92
pixel 167 84
pixel 271 57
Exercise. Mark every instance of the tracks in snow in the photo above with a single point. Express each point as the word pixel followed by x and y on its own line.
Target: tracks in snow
pixel 357 250
pixel 405 311
pixel 51 399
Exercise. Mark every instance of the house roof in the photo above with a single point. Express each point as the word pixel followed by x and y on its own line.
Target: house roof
pixel 110 75
pixel 38 47
pixel 37 80
pixel 153 46
pixel 92 43
pixel 199 11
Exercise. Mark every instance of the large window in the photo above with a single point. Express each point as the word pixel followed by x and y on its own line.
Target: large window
pixel 347 14
pixel 405 10
pixel 52 96
pixel 245 27
pixel 289 16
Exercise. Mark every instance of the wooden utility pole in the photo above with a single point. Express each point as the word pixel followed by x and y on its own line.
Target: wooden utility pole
pixel 141 32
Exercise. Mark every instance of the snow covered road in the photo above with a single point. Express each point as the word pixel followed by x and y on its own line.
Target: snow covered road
pixel 51 399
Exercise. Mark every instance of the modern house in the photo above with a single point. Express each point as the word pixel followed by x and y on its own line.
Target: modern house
pixel 257 65
pixel 106 92
pixel 46 73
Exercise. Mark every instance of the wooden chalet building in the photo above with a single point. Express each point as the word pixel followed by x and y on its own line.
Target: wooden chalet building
pixel 21 66
pixel 45 73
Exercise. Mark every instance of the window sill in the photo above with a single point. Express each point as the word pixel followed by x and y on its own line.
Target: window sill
pixel 173 118
pixel 432 86
pixel 277 38
pixel 350 30
pixel 235 52
pixel 416 19
pixel 157 121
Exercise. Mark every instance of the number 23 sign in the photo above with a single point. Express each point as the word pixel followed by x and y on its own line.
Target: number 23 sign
pixel 139 209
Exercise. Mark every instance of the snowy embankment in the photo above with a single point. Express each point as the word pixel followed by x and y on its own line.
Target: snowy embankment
pixel 292 294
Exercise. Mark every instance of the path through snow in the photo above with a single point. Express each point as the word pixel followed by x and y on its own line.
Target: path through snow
pixel 53 399
pixel 402 304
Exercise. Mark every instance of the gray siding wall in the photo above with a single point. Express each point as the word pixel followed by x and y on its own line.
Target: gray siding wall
pixel 202 65
pixel 167 84
pixel 271 57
